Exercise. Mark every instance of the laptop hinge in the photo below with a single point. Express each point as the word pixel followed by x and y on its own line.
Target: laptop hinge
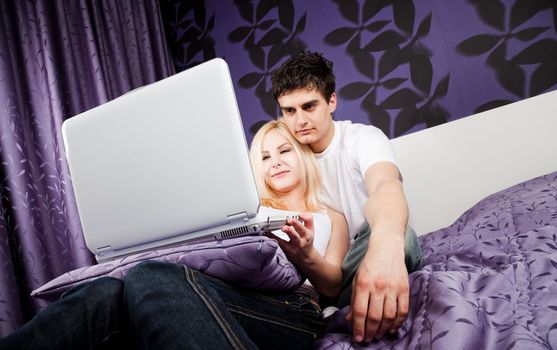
pixel 238 218
pixel 102 251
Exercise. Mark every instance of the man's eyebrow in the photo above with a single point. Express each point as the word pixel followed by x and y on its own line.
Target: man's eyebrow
pixel 309 103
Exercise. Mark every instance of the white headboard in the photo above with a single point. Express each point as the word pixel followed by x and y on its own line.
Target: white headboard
pixel 450 167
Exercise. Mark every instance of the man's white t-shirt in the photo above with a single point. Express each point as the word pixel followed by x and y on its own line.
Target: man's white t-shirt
pixel 354 148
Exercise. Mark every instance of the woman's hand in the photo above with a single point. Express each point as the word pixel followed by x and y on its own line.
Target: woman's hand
pixel 299 248
pixel 324 272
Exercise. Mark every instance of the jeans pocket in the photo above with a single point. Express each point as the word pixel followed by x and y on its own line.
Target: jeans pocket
pixel 305 303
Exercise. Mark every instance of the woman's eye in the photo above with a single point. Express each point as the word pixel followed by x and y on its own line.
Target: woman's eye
pixel 265 157
pixel 285 151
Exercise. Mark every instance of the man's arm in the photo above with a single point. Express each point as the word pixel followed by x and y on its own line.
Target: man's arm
pixel 380 293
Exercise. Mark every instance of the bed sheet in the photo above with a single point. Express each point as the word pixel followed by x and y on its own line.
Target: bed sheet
pixel 251 261
pixel 489 281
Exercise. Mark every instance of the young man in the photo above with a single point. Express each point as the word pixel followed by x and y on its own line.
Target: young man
pixel 362 181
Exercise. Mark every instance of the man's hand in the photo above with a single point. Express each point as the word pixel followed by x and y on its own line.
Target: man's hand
pixel 380 290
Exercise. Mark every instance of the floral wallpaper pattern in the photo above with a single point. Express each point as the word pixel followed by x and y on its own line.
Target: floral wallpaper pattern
pixel 401 65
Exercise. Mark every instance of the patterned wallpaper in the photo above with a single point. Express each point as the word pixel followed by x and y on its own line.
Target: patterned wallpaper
pixel 401 65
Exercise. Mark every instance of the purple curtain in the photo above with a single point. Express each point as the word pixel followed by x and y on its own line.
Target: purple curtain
pixel 57 59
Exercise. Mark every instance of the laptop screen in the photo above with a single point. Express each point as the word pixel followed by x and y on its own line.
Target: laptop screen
pixel 160 161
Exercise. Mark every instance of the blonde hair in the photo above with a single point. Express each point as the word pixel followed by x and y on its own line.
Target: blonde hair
pixel 308 164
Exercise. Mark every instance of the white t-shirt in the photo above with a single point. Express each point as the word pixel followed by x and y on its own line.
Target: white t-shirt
pixel 354 148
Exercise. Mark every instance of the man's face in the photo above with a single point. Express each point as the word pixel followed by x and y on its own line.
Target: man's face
pixel 309 117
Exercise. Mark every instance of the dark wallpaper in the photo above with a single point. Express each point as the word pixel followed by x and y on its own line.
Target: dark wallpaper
pixel 401 65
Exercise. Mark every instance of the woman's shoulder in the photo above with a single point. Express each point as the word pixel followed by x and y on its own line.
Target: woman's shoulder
pixel 331 212
pixel 336 217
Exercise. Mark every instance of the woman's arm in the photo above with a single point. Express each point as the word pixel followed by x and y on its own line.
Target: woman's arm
pixel 324 272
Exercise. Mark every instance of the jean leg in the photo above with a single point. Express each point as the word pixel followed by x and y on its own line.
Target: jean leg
pixel 357 251
pixel 280 320
pixel 412 251
pixel 168 310
pixel 90 316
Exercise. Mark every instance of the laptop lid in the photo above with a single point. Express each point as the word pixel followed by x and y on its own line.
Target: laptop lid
pixel 162 161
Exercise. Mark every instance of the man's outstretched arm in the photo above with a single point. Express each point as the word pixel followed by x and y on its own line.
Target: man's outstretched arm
pixel 380 289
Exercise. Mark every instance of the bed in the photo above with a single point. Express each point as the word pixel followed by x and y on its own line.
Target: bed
pixel 482 193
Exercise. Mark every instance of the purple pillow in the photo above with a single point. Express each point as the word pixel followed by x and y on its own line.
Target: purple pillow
pixel 251 261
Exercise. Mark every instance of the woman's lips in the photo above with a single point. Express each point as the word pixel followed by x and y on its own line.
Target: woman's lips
pixel 280 173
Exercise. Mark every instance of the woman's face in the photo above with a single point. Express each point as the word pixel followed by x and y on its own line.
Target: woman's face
pixel 281 165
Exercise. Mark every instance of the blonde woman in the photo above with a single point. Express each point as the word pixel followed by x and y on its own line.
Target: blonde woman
pixel 287 177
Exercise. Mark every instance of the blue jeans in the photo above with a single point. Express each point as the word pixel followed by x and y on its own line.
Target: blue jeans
pixel 166 306
pixel 90 316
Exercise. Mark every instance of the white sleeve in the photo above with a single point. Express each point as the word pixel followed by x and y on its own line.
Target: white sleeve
pixel 370 146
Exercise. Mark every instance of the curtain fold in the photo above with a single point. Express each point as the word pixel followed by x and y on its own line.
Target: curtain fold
pixel 57 59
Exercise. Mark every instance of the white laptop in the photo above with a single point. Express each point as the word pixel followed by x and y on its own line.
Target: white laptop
pixel 164 164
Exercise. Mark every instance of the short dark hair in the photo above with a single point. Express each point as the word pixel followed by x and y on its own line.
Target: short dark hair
pixel 307 70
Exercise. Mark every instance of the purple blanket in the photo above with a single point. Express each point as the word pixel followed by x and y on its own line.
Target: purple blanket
pixel 489 281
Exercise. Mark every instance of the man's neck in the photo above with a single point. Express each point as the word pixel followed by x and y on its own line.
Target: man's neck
pixel 321 145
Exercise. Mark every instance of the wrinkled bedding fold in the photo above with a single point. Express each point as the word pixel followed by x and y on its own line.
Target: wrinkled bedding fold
pixel 488 281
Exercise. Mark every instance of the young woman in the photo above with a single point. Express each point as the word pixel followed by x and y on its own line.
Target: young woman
pixel 167 306
pixel 287 177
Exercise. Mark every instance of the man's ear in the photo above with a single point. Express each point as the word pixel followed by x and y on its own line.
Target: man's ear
pixel 333 103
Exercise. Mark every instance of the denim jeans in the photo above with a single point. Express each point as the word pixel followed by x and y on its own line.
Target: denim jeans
pixel 357 251
pixel 90 316
pixel 167 306
pixel 178 308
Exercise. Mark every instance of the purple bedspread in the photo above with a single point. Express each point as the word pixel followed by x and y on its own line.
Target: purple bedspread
pixel 489 281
